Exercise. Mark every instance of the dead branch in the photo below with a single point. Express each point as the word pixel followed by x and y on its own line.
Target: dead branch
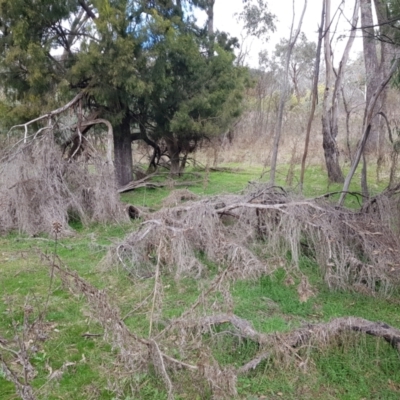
pixel 110 135
pixel 24 390
pixel 320 333
pixel 133 348
pixel 39 187
pixel 352 248
pixel 48 116
pixel 242 326
pixel 280 207
pixel 141 183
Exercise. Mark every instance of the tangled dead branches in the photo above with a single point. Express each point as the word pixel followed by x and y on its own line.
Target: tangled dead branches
pixel 38 186
pixel 248 232
pixel 244 236
pixel 186 336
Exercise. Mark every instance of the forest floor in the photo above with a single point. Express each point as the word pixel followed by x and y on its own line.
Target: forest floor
pixel 52 340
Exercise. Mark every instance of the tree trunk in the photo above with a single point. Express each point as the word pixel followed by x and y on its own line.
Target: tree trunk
pixel 371 68
pixel 123 152
pixel 388 33
pixel 284 92
pixel 314 97
pixel 210 17
pixel 174 152
pixel 331 102
pixel 331 150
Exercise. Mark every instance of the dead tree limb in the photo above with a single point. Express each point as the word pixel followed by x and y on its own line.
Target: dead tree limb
pixel 303 336
pixel 314 96
pixel 48 115
pixel 110 135
pixel 132 346
pixel 150 185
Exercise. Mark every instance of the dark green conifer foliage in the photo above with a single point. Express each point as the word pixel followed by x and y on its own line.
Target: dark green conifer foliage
pixel 143 65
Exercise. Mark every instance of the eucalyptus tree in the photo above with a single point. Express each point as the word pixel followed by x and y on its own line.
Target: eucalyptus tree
pixel 139 64
pixel 330 124
pixel 383 68
pixel 301 65
pixel 294 34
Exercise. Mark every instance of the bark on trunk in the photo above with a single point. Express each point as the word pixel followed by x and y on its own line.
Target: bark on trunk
pixel 314 97
pixel 372 73
pixel 331 151
pixel 284 92
pixel 174 152
pixel 330 113
pixel 210 17
pixel 123 152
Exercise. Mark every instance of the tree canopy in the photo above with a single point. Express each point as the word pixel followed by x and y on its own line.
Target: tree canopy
pixel 146 66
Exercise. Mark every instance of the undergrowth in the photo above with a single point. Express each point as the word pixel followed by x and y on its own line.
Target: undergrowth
pixel 74 358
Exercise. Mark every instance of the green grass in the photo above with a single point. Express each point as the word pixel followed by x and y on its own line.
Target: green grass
pixel 355 368
pixel 236 179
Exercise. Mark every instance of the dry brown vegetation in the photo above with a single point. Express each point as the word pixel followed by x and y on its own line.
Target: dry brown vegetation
pixel 38 186
pixel 352 248
pixel 244 236
pixel 181 350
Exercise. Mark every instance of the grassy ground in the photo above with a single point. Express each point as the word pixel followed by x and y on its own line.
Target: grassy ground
pixel 73 360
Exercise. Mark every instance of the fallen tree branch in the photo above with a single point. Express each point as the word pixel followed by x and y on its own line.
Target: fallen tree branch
pixel 48 115
pixel 280 206
pixel 24 389
pixel 142 183
pixel 343 324
pixel 243 326
pixel 299 337
pixel 114 327
pixel 110 135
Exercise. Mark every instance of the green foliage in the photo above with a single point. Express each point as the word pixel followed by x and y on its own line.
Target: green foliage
pixel 138 62
pixel 258 20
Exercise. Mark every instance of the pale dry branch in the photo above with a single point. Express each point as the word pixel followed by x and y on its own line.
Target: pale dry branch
pixel 352 248
pixel 134 349
pixel 48 115
pixel 158 362
pixel 23 389
pixel 156 291
pixel 141 183
pixel 310 334
pixel 39 187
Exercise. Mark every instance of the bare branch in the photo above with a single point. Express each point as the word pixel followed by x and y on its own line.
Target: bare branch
pixel 48 115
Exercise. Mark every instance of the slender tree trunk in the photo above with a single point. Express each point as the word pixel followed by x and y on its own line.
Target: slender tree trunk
pixel 368 120
pixel 210 17
pixel 372 70
pixel 331 152
pixel 123 152
pixel 284 92
pixel 314 97
pixel 330 116
pixel 386 52
pixel 347 110
pixel 295 82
